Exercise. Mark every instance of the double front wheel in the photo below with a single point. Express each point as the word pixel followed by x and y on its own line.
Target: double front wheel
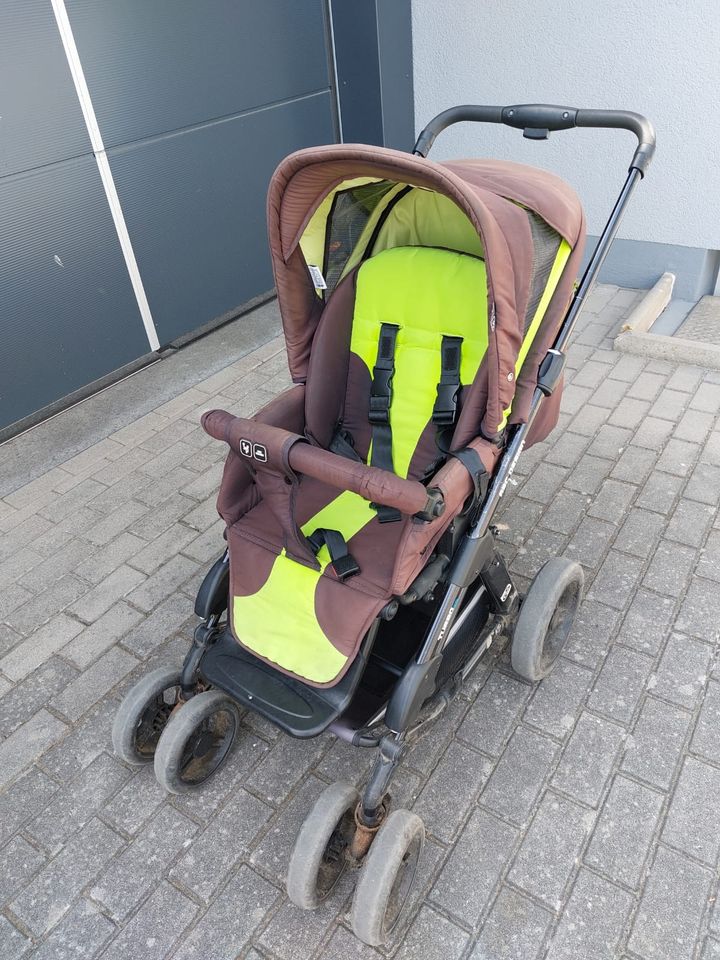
pixel 323 852
pixel 187 741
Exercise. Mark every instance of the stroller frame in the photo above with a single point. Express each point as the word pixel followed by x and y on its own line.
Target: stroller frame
pixel 477 589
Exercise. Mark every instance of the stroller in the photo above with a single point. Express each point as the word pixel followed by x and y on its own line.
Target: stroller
pixel 426 309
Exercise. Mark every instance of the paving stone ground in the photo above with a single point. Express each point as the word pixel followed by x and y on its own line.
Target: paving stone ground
pixel 577 820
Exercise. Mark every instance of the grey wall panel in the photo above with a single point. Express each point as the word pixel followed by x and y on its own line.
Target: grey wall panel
pixel 158 66
pixel 40 117
pixel 67 309
pixel 194 203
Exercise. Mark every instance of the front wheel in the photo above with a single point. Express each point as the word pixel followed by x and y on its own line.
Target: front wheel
pixel 387 877
pixel 196 740
pixel 143 715
pixel 546 618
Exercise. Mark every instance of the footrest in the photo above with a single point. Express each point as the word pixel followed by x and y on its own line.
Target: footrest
pixel 300 710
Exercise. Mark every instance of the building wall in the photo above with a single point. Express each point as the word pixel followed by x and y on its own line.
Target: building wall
pixel 658 57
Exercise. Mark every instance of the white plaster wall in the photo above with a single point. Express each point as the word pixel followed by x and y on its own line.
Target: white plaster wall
pixel 658 57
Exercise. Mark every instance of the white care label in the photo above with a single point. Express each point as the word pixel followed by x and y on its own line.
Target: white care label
pixel 317 278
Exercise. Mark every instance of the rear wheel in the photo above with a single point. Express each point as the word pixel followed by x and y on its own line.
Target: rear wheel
pixel 387 877
pixel 196 740
pixel 546 618
pixel 143 715
pixel 319 856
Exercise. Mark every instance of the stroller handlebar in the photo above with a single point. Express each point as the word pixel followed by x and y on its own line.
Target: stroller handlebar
pixel 537 120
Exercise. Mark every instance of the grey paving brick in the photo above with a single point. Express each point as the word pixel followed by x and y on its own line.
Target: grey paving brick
pixel 709 563
pixel 670 569
pixel 20 861
pixel 610 394
pixel 609 442
pixel 620 684
pixel 56 567
pixel 711 451
pixel 670 405
pixel 173 540
pixel 533 553
pixel 294 934
pixel 685 378
pixel 550 851
pixel 36 649
pixel 652 433
pixel 139 868
pixel 134 804
pixel 630 413
pixel 48 897
pixel 100 562
pixel 683 671
pixel 115 523
pixel 12 597
pixel 647 386
pixel 496 709
pixel 704 485
pixel 647 622
pixel 693 820
pixel 653 750
pixel 94 683
pixel 115 586
pixel 556 701
pixel 591 374
pixel 8 639
pixel 707 398
pixel 87 739
pixel 515 928
pixel 477 860
pixel 162 517
pixel 635 464
pixel 284 766
pixel 82 933
pixel 690 522
pixel 694 425
pixel 451 789
pixel 203 515
pixel 224 841
pixel 678 457
pixel 612 501
pixel 424 755
pixel 590 542
pixel 588 420
pixel 343 945
pixel 627 368
pixel 592 923
pixel 624 831
pixel 27 743
pixel 543 484
pixel 207 547
pixel 588 475
pixel 224 930
pixel 13 944
pixel 32 693
pixel 712 949
pixel 164 621
pixel 660 492
pixel 592 632
pixel 706 739
pixel 588 758
pixel 163 582
pixel 565 511
pixel 675 898
pixel 158 925
pixel 567 449
pixel 77 802
pixel 700 611
pixel 639 533
pixel 432 937
pixel 96 639
pixel 617 580
pixel 519 775
pixel 23 799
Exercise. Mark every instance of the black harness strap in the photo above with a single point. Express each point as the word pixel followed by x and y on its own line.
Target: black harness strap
pixel 470 459
pixel 379 413
pixel 342 561
pixel 445 409
pixel 343 445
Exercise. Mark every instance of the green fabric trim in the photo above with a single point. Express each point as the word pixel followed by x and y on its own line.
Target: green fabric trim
pixel 428 293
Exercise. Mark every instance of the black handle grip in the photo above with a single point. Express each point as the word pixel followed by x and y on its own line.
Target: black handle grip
pixel 537 120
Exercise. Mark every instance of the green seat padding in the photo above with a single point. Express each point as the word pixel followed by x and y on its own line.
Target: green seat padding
pixel 428 293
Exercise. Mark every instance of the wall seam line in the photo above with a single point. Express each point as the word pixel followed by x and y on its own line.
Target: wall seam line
pixel 98 148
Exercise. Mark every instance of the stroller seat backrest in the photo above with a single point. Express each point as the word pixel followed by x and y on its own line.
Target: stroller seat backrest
pixel 433 303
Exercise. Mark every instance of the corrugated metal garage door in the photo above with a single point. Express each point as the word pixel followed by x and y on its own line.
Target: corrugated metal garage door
pixel 195 104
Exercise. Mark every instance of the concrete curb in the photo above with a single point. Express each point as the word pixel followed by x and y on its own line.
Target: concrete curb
pixel 674 349
pixel 651 306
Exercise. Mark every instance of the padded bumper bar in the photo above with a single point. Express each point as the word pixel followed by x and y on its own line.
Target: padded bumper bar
pixel 261 444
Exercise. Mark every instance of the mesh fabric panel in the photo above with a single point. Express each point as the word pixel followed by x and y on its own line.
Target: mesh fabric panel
pixel 546 243
pixel 350 212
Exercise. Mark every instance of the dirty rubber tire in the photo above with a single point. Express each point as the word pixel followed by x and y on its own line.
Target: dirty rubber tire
pixel 140 702
pixel 387 877
pixel 196 741
pixel 315 867
pixel 546 618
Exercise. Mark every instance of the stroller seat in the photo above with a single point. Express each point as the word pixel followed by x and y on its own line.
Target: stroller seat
pixel 307 621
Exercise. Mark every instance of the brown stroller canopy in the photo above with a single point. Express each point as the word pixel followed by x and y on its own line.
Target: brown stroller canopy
pixel 506 204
